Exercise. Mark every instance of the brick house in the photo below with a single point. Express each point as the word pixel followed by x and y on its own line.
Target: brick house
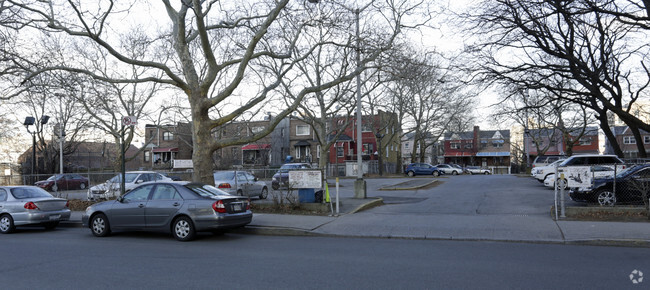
pixel 166 143
pixel 627 142
pixel 553 142
pixel 488 149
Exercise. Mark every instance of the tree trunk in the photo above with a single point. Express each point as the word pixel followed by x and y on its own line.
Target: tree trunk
pixel 604 125
pixel 639 142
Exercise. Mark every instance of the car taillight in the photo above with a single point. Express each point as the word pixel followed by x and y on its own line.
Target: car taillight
pixel 219 207
pixel 224 185
pixel 248 204
pixel 30 205
pixel 67 204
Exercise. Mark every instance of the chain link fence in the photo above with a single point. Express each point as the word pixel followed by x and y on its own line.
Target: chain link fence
pixel 606 184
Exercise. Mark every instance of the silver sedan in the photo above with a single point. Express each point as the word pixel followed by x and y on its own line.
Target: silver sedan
pixel 30 205
pixel 179 207
pixel 240 183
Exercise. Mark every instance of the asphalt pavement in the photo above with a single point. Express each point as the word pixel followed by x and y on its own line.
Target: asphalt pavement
pixel 354 220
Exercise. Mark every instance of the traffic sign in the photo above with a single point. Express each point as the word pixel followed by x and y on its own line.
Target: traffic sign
pixel 129 120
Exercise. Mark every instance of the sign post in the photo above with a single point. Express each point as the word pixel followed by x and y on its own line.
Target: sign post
pixel 126 121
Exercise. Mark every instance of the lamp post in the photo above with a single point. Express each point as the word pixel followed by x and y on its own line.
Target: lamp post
pixel 31 121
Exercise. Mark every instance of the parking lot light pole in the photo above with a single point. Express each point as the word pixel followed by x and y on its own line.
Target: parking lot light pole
pixel 31 121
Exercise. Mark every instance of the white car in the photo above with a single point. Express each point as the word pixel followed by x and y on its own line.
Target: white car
pixel 111 188
pixel 449 169
pixel 540 173
pixel 477 170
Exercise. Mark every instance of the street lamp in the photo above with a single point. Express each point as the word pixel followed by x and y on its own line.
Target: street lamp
pixel 31 121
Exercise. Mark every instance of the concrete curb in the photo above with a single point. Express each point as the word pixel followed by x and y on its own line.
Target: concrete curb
pixel 395 187
pixel 376 202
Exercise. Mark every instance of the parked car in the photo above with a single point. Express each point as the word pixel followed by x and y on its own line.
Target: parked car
pixel 30 205
pixel 240 183
pixel 540 173
pixel 111 188
pixel 627 186
pixel 477 170
pixel 172 177
pixel 281 178
pixel 545 160
pixel 448 169
pixel 66 181
pixel 181 207
pixel 414 169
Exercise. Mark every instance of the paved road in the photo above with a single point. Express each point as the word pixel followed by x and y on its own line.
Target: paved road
pixel 71 258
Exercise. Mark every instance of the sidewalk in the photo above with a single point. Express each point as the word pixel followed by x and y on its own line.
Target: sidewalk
pixel 354 222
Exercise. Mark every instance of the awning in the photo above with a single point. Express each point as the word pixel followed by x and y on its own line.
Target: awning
pixel 256 147
pixel 168 149
pixel 492 154
pixel 301 143
pixel 459 154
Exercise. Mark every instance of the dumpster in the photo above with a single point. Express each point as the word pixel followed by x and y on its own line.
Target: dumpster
pixel 306 195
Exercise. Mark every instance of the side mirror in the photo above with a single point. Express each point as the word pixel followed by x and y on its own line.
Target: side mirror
pixel 139 181
pixel 120 199
pixel 256 179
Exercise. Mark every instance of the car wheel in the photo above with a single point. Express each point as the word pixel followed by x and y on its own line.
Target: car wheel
pixel 265 193
pixel 436 173
pixel 410 173
pixel 486 172
pixel 51 226
pixel 454 172
pixel 99 225
pixel 183 229
pixel 606 197
pixel 6 224
pixel 82 186
pixel 55 187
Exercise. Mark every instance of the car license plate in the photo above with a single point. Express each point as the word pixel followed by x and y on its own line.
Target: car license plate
pixel 236 207
pixel 55 217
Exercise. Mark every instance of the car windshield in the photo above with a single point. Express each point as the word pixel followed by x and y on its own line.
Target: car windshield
pixel 54 177
pixel 128 178
pixel 629 171
pixel 206 190
pixel 29 192
pixel 286 167
pixel 224 175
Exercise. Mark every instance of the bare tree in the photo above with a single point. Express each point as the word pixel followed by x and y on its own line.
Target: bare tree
pixel 555 42
pixel 212 61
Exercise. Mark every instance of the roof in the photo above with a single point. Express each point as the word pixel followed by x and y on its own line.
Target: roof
pixel 301 143
pixel 341 138
pixel 256 147
pixel 165 149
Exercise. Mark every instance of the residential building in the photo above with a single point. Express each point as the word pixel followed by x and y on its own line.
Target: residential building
pixel 488 149
pixel 433 154
pixel 627 142
pixel 166 143
pixel 551 141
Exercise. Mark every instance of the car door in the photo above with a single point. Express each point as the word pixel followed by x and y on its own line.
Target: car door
pixel 254 188
pixel 242 182
pixel 128 212
pixel 165 201
pixel 3 199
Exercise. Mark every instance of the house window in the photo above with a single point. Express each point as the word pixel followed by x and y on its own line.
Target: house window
pixel 234 152
pixel 339 151
pixel 282 132
pixel 147 156
pixel 366 127
pixel 318 151
pixel 629 140
pixel 387 151
pixel 367 149
pixel 585 141
pixel 468 145
pixel 646 139
pixel 257 129
pixel 497 143
pixel 167 136
pixel 406 145
pixel 455 145
pixel 302 130
pixel 298 152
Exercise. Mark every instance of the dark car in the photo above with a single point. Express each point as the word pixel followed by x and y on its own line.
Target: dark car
pixel 414 169
pixel 281 178
pixel 67 181
pixel 179 207
pixel 626 187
